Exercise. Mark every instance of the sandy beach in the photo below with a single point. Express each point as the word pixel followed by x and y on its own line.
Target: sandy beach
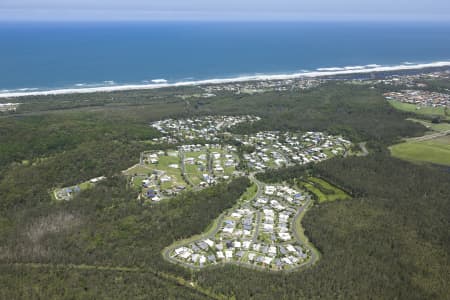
pixel 161 83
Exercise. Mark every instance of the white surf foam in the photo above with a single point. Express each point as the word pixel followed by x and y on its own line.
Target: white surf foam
pixel 319 73
pixel 159 81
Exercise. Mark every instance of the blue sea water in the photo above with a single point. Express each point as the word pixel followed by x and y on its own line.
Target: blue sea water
pixel 63 55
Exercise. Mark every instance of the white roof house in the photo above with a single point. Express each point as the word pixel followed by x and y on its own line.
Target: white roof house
pixel 286 261
pixel 195 257
pixel 284 236
pixel 165 178
pixel 237 244
pixel 246 244
pixel 202 259
pixel 273 250
pixel 209 243
pixel 290 248
pixel 185 255
pixel 228 230
pixel 267 260
pixel 181 250
pixel 268 227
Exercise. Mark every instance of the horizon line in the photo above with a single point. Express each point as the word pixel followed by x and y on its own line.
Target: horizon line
pixel 19 15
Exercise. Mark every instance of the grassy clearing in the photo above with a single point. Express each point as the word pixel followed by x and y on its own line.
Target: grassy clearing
pixel 194 172
pixel 428 111
pixel 435 151
pixel 138 169
pixel 299 232
pixel 164 162
pixel 324 191
pixel 174 173
pixel 86 185
pixel 137 182
pixel 250 192
pixel 435 127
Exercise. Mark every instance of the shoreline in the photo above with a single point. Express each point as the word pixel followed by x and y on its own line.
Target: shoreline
pixel 321 72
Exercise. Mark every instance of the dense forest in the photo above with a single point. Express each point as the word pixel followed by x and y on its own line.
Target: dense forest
pixel 389 242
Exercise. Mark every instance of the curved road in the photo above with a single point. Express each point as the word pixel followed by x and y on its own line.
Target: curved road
pixel 218 223
pixel 429 136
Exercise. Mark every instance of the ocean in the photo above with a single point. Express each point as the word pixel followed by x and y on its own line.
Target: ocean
pixel 48 56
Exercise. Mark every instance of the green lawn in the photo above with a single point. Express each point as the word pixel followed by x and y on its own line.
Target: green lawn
pixel 194 174
pixel 192 171
pixel 435 151
pixel 435 127
pixel 250 192
pixel 324 191
pixel 138 169
pixel 175 173
pixel 137 181
pixel 429 111
pixel 86 185
pixel 229 170
pixel 162 165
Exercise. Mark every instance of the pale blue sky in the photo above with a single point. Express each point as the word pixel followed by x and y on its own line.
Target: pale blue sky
pixel 224 9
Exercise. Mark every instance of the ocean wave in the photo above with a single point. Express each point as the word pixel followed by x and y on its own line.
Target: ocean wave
pixel 27 89
pixel 373 66
pixel 349 68
pixel 95 84
pixel 313 74
pixel 333 69
pixel 159 81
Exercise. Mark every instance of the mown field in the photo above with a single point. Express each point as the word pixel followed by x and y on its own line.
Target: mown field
pixel 324 191
pixel 435 151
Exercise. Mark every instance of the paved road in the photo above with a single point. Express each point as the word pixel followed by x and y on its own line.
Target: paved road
pixel 363 149
pixel 213 232
pixel 314 253
pixel 210 234
pixel 429 137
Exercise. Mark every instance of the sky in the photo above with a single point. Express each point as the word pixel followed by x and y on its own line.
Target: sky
pixel 242 10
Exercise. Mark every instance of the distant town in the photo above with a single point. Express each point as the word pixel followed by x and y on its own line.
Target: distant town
pixel 420 98
pixel 254 87
pixel 417 81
